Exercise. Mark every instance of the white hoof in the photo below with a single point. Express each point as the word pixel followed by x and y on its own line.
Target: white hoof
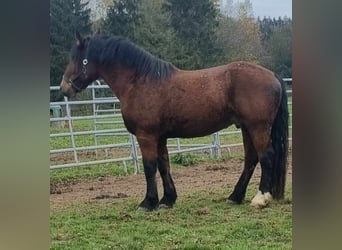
pixel 261 200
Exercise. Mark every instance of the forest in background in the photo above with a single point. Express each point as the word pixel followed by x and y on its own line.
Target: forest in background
pixel 191 34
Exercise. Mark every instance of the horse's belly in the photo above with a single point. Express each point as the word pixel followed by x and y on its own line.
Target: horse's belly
pixel 197 128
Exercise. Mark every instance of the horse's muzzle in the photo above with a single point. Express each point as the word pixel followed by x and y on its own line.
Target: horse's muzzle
pixel 67 90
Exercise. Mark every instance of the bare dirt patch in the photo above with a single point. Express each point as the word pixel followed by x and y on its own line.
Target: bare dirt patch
pixel 187 180
pixel 87 155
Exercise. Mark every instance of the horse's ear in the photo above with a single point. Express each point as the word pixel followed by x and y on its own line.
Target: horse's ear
pixel 79 39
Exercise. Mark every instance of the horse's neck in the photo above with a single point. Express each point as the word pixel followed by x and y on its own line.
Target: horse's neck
pixel 119 80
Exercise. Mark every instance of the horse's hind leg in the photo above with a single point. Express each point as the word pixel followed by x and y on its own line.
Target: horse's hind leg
pixel 170 194
pixel 251 159
pixel 263 146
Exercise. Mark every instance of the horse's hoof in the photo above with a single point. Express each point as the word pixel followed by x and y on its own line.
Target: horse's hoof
pixel 144 209
pixel 232 202
pixel 164 206
pixel 235 198
pixel 148 205
pixel 261 200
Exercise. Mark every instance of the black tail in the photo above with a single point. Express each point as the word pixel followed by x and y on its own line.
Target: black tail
pixel 279 136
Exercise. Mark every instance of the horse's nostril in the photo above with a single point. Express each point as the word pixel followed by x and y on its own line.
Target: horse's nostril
pixel 61 90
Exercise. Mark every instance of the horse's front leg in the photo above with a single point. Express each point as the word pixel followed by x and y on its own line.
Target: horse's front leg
pixel 170 194
pixel 148 146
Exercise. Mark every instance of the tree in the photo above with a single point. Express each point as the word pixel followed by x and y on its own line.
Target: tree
pixel 145 23
pixel 244 9
pixel 153 24
pixel 240 35
pixel 65 18
pixel 155 33
pixel 195 23
pixel 277 39
pixel 81 17
pixel 227 7
pixel 266 27
pixel 123 18
pixel 99 13
pixel 100 9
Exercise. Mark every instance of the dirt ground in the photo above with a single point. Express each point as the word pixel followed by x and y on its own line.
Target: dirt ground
pixel 187 180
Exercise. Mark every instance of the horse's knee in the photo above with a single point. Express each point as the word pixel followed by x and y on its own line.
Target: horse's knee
pixel 150 167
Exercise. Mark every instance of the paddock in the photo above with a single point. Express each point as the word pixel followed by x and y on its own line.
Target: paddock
pixel 99 212
pixel 96 184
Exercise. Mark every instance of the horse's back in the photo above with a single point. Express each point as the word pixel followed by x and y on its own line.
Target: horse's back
pixel 247 70
pixel 197 102
pixel 200 102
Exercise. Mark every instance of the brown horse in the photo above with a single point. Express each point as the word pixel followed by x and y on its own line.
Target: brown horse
pixel 160 101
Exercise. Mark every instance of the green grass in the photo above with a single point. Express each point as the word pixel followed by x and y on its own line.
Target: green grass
pixel 86 140
pixel 200 220
pixel 89 172
pixel 184 159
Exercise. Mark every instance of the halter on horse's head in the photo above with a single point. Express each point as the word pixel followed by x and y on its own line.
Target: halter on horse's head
pixel 79 72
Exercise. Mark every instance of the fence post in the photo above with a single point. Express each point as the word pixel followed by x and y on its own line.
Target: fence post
pixel 134 153
pixel 216 145
pixel 72 136
pixel 94 121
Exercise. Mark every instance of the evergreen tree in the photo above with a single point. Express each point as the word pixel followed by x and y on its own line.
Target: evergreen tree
pixel 145 23
pixel 123 18
pixel 277 39
pixel 81 18
pixel 195 23
pixel 155 33
pixel 266 26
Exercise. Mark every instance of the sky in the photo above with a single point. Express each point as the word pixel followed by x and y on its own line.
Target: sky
pixel 272 8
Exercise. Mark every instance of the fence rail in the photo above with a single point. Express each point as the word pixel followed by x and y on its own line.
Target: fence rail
pixel 107 138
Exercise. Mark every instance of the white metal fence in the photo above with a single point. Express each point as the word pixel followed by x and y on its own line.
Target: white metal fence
pixel 92 131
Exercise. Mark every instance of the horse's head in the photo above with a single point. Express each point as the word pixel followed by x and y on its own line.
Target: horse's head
pixel 80 71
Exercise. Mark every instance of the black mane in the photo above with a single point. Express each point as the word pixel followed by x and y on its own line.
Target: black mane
pixel 111 50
